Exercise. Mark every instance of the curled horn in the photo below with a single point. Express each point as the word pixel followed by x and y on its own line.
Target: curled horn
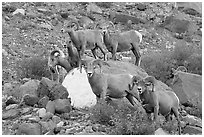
pixel 55 53
pixel 150 80
pixel 181 68
pixel 99 62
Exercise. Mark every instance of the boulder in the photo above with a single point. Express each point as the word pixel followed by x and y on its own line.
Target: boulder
pixel 29 87
pixel 29 129
pixel 41 112
pixel 192 120
pixel 192 130
pixel 58 92
pixel 188 88
pixel 7 89
pixel 93 8
pixel 47 126
pixel 10 114
pixel 160 131
pixel 50 107
pixel 79 89
pixel 19 11
pixel 43 102
pixel 197 6
pixel 30 100
pixel 117 17
pixel 12 106
pixel 45 87
pixel 11 100
pixel 62 106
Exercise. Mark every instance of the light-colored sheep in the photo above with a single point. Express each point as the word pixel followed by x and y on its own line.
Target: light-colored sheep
pixel 106 86
pixel 155 99
pixel 175 73
pixel 86 39
pixel 125 41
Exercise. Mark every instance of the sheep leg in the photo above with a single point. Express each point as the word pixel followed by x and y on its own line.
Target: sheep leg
pixel 57 71
pixel 114 50
pixel 136 52
pixel 130 98
pixel 102 50
pixel 94 52
pixel 176 113
pixel 156 111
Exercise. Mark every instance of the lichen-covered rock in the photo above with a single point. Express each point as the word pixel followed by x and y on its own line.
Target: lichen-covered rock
pixel 29 129
pixel 62 106
pixel 58 92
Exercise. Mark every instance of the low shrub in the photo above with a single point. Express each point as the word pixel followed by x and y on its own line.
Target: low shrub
pixel 159 64
pixel 34 67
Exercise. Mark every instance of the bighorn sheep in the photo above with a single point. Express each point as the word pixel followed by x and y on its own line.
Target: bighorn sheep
pixel 175 73
pixel 106 86
pixel 55 59
pixel 125 41
pixel 86 39
pixel 72 53
pixel 57 69
pixel 157 100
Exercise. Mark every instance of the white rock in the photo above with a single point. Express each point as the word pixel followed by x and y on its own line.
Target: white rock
pixel 60 124
pixel 12 106
pixel 41 112
pixel 79 89
pixel 21 11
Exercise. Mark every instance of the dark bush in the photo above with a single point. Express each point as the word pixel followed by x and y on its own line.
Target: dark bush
pixel 35 68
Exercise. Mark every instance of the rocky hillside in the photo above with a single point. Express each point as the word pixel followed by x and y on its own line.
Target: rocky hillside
pixel 172 36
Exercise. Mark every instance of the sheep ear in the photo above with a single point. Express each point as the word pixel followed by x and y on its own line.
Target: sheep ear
pixel 130 87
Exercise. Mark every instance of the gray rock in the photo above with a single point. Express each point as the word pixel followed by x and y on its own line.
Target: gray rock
pixel 160 131
pixel 30 100
pixel 92 8
pixel 10 114
pixel 60 124
pixel 8 89
pixel 26 110
pixel 56 119
pixel 192 130
pixel 12 106
pixel 29 129
pixel 59 92
pixel 19 11
pixel 47 126
pixel 43 102
pixel 62 105
pixel 50 107
pixel 41 112
pixel 47 116
pixel 10 100
pixel 34 119
pixel 29 87
pixel 192 120
pixel 45 87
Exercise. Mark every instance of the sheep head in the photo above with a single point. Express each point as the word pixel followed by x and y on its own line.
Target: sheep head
pixel 90 66
pixel 135 79
pixel 176 73
pixel 69 27
pixel 146 84
pixel 53 59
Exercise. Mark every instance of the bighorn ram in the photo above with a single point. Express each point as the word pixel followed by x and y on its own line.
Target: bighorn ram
pixel 55 59
pixel 125 41
pixel 106 86
pixel 176 72
pixel 57 69
pixel 86 39
pixel 155 99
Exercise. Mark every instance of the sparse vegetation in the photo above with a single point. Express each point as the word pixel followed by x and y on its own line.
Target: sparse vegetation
pixel 35 68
